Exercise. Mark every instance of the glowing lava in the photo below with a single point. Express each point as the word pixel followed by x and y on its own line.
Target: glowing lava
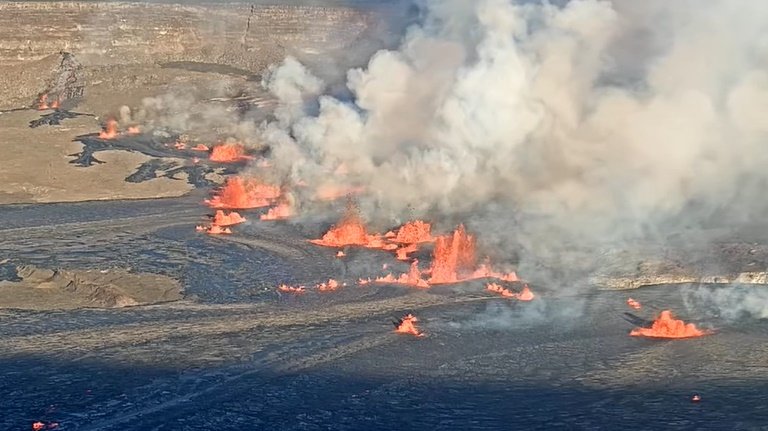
pixel 230 219
pixel 340 254
pixel 280 212
pixel 133 130
pixel 525 295
pixel 412 278
pixel 42 103
pixel 407 325
pixel 414 232
pixel 402 252
pixel 200 147
pixel 330 286
pixel 453 254
pixel 634 304
pixel 298 290
pixel 350 231
pixel 229 153
pixel 214 229
pixel 239 193
pixel 666 326
pixel 110 130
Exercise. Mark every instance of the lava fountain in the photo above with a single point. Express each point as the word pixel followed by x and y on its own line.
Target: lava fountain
pixel 666 326
pixel 240 193
pixel 407 325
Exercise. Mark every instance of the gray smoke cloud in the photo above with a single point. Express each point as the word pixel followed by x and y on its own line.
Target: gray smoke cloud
pixel 591 120
pixel 730 303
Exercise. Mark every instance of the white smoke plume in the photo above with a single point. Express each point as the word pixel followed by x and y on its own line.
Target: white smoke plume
pixel 730 303
pixel 591 119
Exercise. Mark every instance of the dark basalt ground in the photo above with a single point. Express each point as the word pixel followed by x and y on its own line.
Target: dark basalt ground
pixel 236 355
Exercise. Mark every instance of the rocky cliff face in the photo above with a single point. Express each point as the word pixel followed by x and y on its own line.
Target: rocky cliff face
pixel 114 33
pixel 114 41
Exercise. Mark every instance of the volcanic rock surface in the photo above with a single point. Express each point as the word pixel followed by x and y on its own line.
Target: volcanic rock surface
pixel 46 289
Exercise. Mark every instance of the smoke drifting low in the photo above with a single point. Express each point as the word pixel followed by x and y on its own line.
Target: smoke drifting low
pixel 594 120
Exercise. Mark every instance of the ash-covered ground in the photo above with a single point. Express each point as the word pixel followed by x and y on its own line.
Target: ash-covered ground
pixel 238 355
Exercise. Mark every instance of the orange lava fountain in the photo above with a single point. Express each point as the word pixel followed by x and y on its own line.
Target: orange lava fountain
pixel 414 232
pixel 239 193
pixel 350 231
pixel 229 153
pixel 407 325
pixel 280 212
pixel 412 278
pixel 298 290
pixel 453 255
pixel 402 252
pixel 634 304
pixel 666 326
pixel 110 130
pixel 230 219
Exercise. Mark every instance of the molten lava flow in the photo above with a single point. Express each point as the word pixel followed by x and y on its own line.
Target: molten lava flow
pixel 330 286
pixel 407 325
pixel 239 193
pixel 42 103
pixel 133 130
pixel 291 289
pixel 666 326
pixel 412 278
pixel 230 219
pixel 525 295
pixel 414 232
pixel 110 130
pixel 200 147
pixel 55 104
pixel 485 271
pixel 350 231
pixel 280 212
pixel 453 255
pixel 229 153
pixel 402 252
pixel 218 230
pixel 634 304
pixel 495 288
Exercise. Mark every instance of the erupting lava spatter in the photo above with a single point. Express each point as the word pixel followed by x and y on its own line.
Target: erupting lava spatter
pixel 349 231
pixel 240 193
pixel 230 219
pixel 414 232
pixel 634 304
pixel 200 147
pixel 330 286
pixel 666 326
pixel 340 254
pixel 453 255
pixel 407 325
pixel 280 212
pixel 298 290
pixel 229 153
pixel 412 278
pixel 110 130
